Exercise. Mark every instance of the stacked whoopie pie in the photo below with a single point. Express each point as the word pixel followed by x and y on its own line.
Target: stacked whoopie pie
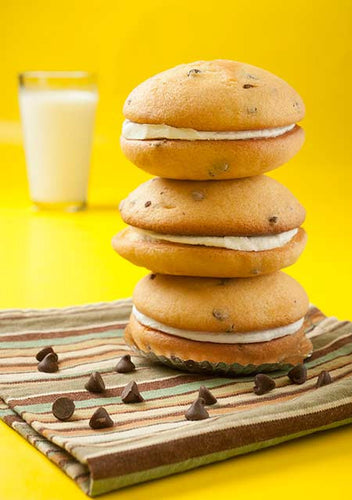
pixel 214 231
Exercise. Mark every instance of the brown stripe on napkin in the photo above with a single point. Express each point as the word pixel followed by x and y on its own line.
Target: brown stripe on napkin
pixel 152 438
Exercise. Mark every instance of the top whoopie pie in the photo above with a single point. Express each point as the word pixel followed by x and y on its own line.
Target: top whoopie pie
pixel 212 120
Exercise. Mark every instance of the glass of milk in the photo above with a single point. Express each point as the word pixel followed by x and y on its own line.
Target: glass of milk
pixel 58 114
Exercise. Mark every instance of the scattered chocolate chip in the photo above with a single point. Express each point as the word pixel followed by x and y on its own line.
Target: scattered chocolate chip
pixel 95 383
pixel 152 276
pixel 193 71
pixel 298 374
pixel 248 86
pixel 49 363
pixel 207 396
pixel 323 379
pixel 147 204
pixel 197 195
pixel 296 105
pixel 220 314
pixel 197 411
pixel 125 365
pixel 129 101
pixel 273 219
pixel 100 419
pixel 43 352
pixel 63 408
pixel 131 393
pixel 252 111
pixel 263 384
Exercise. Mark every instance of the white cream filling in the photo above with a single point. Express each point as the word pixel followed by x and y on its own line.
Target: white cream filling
pixel 143 131
pixel 242 243
pixel 220 338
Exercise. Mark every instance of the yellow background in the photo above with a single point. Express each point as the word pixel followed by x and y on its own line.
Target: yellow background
pixel 56 260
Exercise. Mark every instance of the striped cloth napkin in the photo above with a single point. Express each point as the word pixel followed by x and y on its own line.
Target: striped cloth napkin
pixel 152 439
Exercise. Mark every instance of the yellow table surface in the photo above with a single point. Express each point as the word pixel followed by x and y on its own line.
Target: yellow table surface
pixel 54 260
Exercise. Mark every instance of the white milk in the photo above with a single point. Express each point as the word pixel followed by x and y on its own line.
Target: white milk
pixel 58 131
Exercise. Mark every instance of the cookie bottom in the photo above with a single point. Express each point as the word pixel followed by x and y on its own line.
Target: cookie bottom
pixel 206 357
pixel 206 160
pixel 190 260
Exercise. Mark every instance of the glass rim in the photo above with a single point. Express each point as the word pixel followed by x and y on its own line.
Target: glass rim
pixel 56 74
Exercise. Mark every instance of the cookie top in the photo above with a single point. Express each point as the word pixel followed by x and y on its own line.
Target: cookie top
pixel 241 207
pixel 215 95
pixel 221 305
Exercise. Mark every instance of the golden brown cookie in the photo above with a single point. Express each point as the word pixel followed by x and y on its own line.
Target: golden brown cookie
pixel 212 120
pixel 234 228
pixel 183 260
pixel 230 325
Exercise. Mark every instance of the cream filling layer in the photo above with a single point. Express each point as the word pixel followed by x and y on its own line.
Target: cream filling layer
pixel 145 131
pixel 220 338
pixel 241 243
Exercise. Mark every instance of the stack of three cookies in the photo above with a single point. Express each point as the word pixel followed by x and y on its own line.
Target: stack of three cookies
pixel 212 229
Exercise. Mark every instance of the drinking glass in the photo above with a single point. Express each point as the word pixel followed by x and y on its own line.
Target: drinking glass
pixel 58 114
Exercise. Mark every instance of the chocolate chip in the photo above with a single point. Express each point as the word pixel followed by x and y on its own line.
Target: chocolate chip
pixel 49 363
pixel 147 204
pixel 248 86
pixel 263 384
pixel 63 408
pixel 252 111
pixel 197 195
pixel 152 276
pixel 131 393
pixel 95 383
pixel 125 365
pixel 218 169
pixel 129 101
pixel 298 374
pixel 43 352
pixel 193 71
pixel 223 281
pixel 100 419
pixel 220 314
pixel 273 219
pixel 197 411
pixel 323 379
pixel 207 396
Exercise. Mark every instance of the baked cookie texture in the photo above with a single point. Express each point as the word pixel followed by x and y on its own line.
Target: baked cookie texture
pixel 204 160
pixel 269 356
pixel 216 300
pixel 190 260
pixel 213 305
pixel 218 96
pixel 246 207
pixel 253 206
pixel 221 305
